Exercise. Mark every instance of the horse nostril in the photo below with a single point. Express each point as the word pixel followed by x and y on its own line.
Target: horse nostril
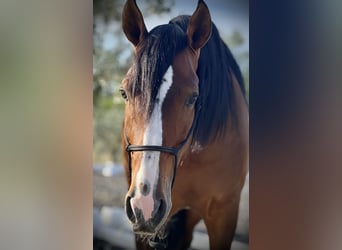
pixel 160 211
pixel 129 210
pixel 162 206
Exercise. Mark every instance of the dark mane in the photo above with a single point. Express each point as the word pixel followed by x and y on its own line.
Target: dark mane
pixel 215 66
pixel 216 97
pixel 155 55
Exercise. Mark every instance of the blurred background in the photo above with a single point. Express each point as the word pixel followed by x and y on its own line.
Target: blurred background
pixel 112 55
pixel 46 132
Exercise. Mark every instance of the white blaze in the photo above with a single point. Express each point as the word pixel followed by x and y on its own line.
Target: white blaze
pixel 149 168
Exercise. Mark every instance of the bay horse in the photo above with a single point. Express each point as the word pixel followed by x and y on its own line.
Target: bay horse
pixel 185 131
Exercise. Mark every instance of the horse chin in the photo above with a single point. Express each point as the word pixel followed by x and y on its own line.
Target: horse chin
pixel 142 230
pixel 159 232
pixel 147 232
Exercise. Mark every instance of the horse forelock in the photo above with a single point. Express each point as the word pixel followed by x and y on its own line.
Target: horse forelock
pixel 154 57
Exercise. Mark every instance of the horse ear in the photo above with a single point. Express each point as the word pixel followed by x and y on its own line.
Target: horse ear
pixel 199 29
pixel 133 23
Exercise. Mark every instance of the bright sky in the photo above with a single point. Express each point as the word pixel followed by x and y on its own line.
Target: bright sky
pixel 228 15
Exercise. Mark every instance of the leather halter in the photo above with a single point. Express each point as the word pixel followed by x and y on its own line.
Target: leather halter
pixel 164 149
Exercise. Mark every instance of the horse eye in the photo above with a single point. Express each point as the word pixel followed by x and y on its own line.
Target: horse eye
pixel 191 100
pixel 123 94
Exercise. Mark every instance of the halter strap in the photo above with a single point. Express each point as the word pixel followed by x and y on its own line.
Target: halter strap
pixel 170 150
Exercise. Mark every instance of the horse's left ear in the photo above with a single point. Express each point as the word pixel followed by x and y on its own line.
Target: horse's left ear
pixel 199 29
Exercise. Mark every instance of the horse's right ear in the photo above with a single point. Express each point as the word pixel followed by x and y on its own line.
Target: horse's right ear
pixel 199 29
pixel 133 23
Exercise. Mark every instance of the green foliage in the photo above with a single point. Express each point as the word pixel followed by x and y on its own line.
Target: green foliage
pixel 107 127
pixel 235 39
pixel 158 6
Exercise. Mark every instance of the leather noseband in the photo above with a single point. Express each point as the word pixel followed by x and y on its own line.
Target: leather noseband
pixel 170 150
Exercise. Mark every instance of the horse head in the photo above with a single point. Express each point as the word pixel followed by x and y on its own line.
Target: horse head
pixel 160 90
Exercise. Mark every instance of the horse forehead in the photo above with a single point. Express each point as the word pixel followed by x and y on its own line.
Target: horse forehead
pixel 185 66
pixel 163 89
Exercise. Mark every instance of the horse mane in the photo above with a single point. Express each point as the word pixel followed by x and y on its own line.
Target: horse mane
pixel 154 57
pixel 216 64
pixel 215 103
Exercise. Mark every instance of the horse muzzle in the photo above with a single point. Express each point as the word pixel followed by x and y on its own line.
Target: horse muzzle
pixel 146 215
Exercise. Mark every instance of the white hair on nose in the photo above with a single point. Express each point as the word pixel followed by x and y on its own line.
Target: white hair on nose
pixel 149 168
